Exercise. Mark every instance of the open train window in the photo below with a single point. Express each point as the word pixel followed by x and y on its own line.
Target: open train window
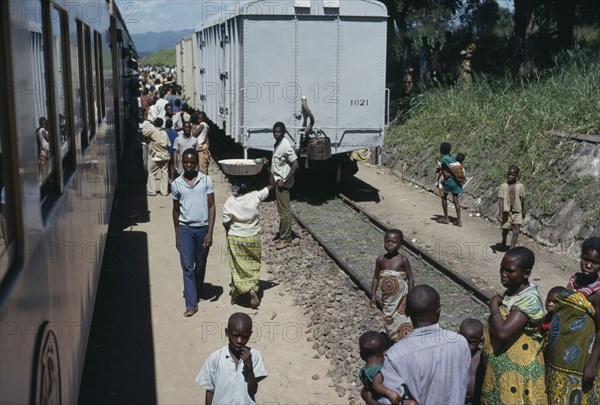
pixel 83 104
pixel 61 98
pixel 91 94
pixel 43 130
pixel 99 75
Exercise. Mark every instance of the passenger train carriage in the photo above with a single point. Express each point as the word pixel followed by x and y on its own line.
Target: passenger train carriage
pixel 62 113
pixel 248 67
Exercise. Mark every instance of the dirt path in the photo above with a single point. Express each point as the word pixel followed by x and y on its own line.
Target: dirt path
pixel 181 345
pixel 467 250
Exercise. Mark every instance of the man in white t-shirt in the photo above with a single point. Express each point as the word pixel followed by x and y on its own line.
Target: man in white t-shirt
pixel 284 165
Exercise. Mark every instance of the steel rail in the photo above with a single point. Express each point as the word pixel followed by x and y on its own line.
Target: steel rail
pixel 479 294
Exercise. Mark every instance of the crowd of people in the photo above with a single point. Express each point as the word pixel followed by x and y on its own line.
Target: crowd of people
pixel 520 354
pixel 442 63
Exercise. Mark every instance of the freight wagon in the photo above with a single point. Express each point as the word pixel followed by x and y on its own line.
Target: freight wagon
pixel 301 62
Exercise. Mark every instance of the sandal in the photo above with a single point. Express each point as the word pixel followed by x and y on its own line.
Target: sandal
pixel 441 220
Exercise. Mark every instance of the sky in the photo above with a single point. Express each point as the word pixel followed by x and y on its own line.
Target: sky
pixel 167 15
pixel 174 15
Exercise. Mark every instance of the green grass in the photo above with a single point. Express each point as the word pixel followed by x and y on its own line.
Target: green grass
pixel 500 122
pixel 162 57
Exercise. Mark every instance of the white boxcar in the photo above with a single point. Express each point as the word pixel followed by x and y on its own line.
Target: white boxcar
pixel 254 61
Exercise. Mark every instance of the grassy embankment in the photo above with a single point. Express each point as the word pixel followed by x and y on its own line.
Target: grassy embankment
pixel 498 123
pixel 162 57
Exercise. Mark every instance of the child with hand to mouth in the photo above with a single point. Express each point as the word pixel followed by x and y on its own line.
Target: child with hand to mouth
pixel 231 374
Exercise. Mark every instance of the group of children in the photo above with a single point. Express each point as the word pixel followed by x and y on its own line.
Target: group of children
pixel 521 355
pixel 451 177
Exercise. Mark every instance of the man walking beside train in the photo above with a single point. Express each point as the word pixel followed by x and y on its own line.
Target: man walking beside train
pixel 283 165
pixel 194 219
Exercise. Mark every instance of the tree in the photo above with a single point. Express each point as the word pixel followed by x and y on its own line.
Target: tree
pixel 524 28
pixel 400 10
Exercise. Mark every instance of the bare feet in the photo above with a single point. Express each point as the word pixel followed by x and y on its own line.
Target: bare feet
pixel 442 220
pixel 457 223
pixel 283 244
pixel 254 301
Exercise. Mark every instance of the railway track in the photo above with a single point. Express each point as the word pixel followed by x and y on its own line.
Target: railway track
pixel 354 239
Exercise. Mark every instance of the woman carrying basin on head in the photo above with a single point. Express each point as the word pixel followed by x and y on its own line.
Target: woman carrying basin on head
pixel 241 221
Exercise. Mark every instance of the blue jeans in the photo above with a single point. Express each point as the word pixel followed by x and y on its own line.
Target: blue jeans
pixel 193 262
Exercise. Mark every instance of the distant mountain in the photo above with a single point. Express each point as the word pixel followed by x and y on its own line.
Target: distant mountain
pixel 151 42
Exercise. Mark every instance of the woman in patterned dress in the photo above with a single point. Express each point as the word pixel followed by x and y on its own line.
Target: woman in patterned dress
pixel 574 344
pixel 512 343
pixel 241 222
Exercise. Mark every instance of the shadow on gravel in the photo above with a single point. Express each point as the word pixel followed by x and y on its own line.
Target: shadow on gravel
pixel 359 191
pixel 244 300
pixel 498 247
pixel 212 292
pixel 266 285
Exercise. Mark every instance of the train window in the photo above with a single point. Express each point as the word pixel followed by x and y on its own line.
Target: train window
pixel 99 75
pixel 7 204
pixel 61 97
pixel 91 95
pixel 83 114
pixel 45 154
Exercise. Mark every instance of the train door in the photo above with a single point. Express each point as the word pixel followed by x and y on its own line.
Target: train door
pixel 223 75
pixel 189 68
pixel 362 97
pixel 317 69
pixel 269 60
pixel 229 81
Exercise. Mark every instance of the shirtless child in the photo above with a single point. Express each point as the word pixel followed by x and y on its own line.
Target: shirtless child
pixel 395 274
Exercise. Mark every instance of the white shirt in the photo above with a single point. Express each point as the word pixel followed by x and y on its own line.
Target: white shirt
pixel 160 107
pixel 203 133
pixel 152 113
pixel 221 375
pixel 242 213
pixel 283 157
pixel 177 123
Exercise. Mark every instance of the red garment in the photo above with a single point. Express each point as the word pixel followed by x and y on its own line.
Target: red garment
pixel 585 290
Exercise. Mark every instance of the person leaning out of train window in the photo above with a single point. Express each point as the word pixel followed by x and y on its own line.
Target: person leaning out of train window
pixel 43 138
pixel 284 165
pixel 158 156
pixel 146 101
pixel 200 130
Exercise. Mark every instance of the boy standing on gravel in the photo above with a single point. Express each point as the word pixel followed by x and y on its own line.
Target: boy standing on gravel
pixel 231 374
pixel 511 206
